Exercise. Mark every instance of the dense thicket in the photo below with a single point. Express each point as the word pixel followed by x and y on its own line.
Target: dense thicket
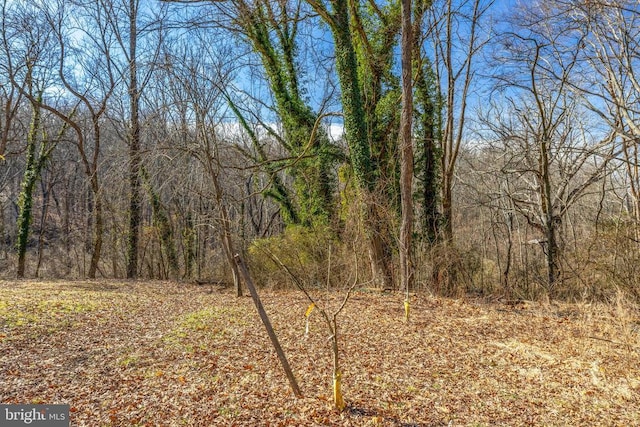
pixel 141 138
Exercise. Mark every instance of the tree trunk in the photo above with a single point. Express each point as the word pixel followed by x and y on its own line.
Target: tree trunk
pixel 161 221
pixel 378 248
pixel 302 137
pixel 44 213
pixel 228 249
pixel 189 243
pixel 507 267
pixel 98 228
pixel 227 241
pixel 135 202
pixel 447 211
pixel 552 252
pixel 356 134
pixel 338 399
pixel 31 176
pixel 277 189
pixel 406 152
pixel 427 125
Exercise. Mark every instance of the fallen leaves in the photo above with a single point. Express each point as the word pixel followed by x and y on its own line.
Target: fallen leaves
pixel 165 354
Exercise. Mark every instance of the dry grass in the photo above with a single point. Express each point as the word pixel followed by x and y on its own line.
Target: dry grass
pixel 165 354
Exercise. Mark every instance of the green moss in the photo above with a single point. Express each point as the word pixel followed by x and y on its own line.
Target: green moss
pixel 53 312
pixel 129 360
pixel 208 323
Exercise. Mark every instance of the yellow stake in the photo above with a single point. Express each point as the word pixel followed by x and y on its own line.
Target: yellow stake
pixel 406 310
pixel 310 309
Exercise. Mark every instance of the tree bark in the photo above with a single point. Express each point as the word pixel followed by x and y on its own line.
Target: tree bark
pixel 25 202
pixel 98 227
pixel 356 134
pixel 406 151
pixel 227 241
pixel 135 205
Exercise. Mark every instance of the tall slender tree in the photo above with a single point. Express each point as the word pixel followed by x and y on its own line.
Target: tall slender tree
pixel 427 126
pixel 29 58
pixel 34 162
pixel 406 150
pixel 138 32
pixel 456 39
pixel 133 137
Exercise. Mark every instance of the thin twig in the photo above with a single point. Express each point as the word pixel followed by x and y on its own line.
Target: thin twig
pixel 297 281
pixel 632 347
pixel 346 297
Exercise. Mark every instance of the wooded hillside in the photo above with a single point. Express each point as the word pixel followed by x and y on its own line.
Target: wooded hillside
pixel 157 139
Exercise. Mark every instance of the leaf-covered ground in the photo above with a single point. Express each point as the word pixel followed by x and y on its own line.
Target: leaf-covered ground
pixel 166 354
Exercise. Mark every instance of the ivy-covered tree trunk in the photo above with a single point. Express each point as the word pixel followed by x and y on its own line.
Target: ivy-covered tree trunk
pixel 271 29
pixel 355 125
pixel 33 167
pixel 277 191
pixel 406 152
pixel 427 127
pixel 375 32
pixel 135 199
pixel 189 244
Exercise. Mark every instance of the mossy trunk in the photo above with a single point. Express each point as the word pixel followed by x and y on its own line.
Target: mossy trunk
pixel 359 149
pixel 135 160
pixel 189 242
pixel 272 34
pixel 427 150
pixel 33 167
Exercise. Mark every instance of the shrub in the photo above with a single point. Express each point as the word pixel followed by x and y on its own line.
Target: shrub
pixel 305 252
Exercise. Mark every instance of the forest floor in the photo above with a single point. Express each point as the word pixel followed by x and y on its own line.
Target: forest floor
pixel 167 354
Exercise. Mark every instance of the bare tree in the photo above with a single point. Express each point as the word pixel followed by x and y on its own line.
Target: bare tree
pixel 610 57
pixel 552 156
pixel 197 82
pixel 30 56
pixel 10 96
pixel 137 33
pixel 456 35
pixel 86 73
